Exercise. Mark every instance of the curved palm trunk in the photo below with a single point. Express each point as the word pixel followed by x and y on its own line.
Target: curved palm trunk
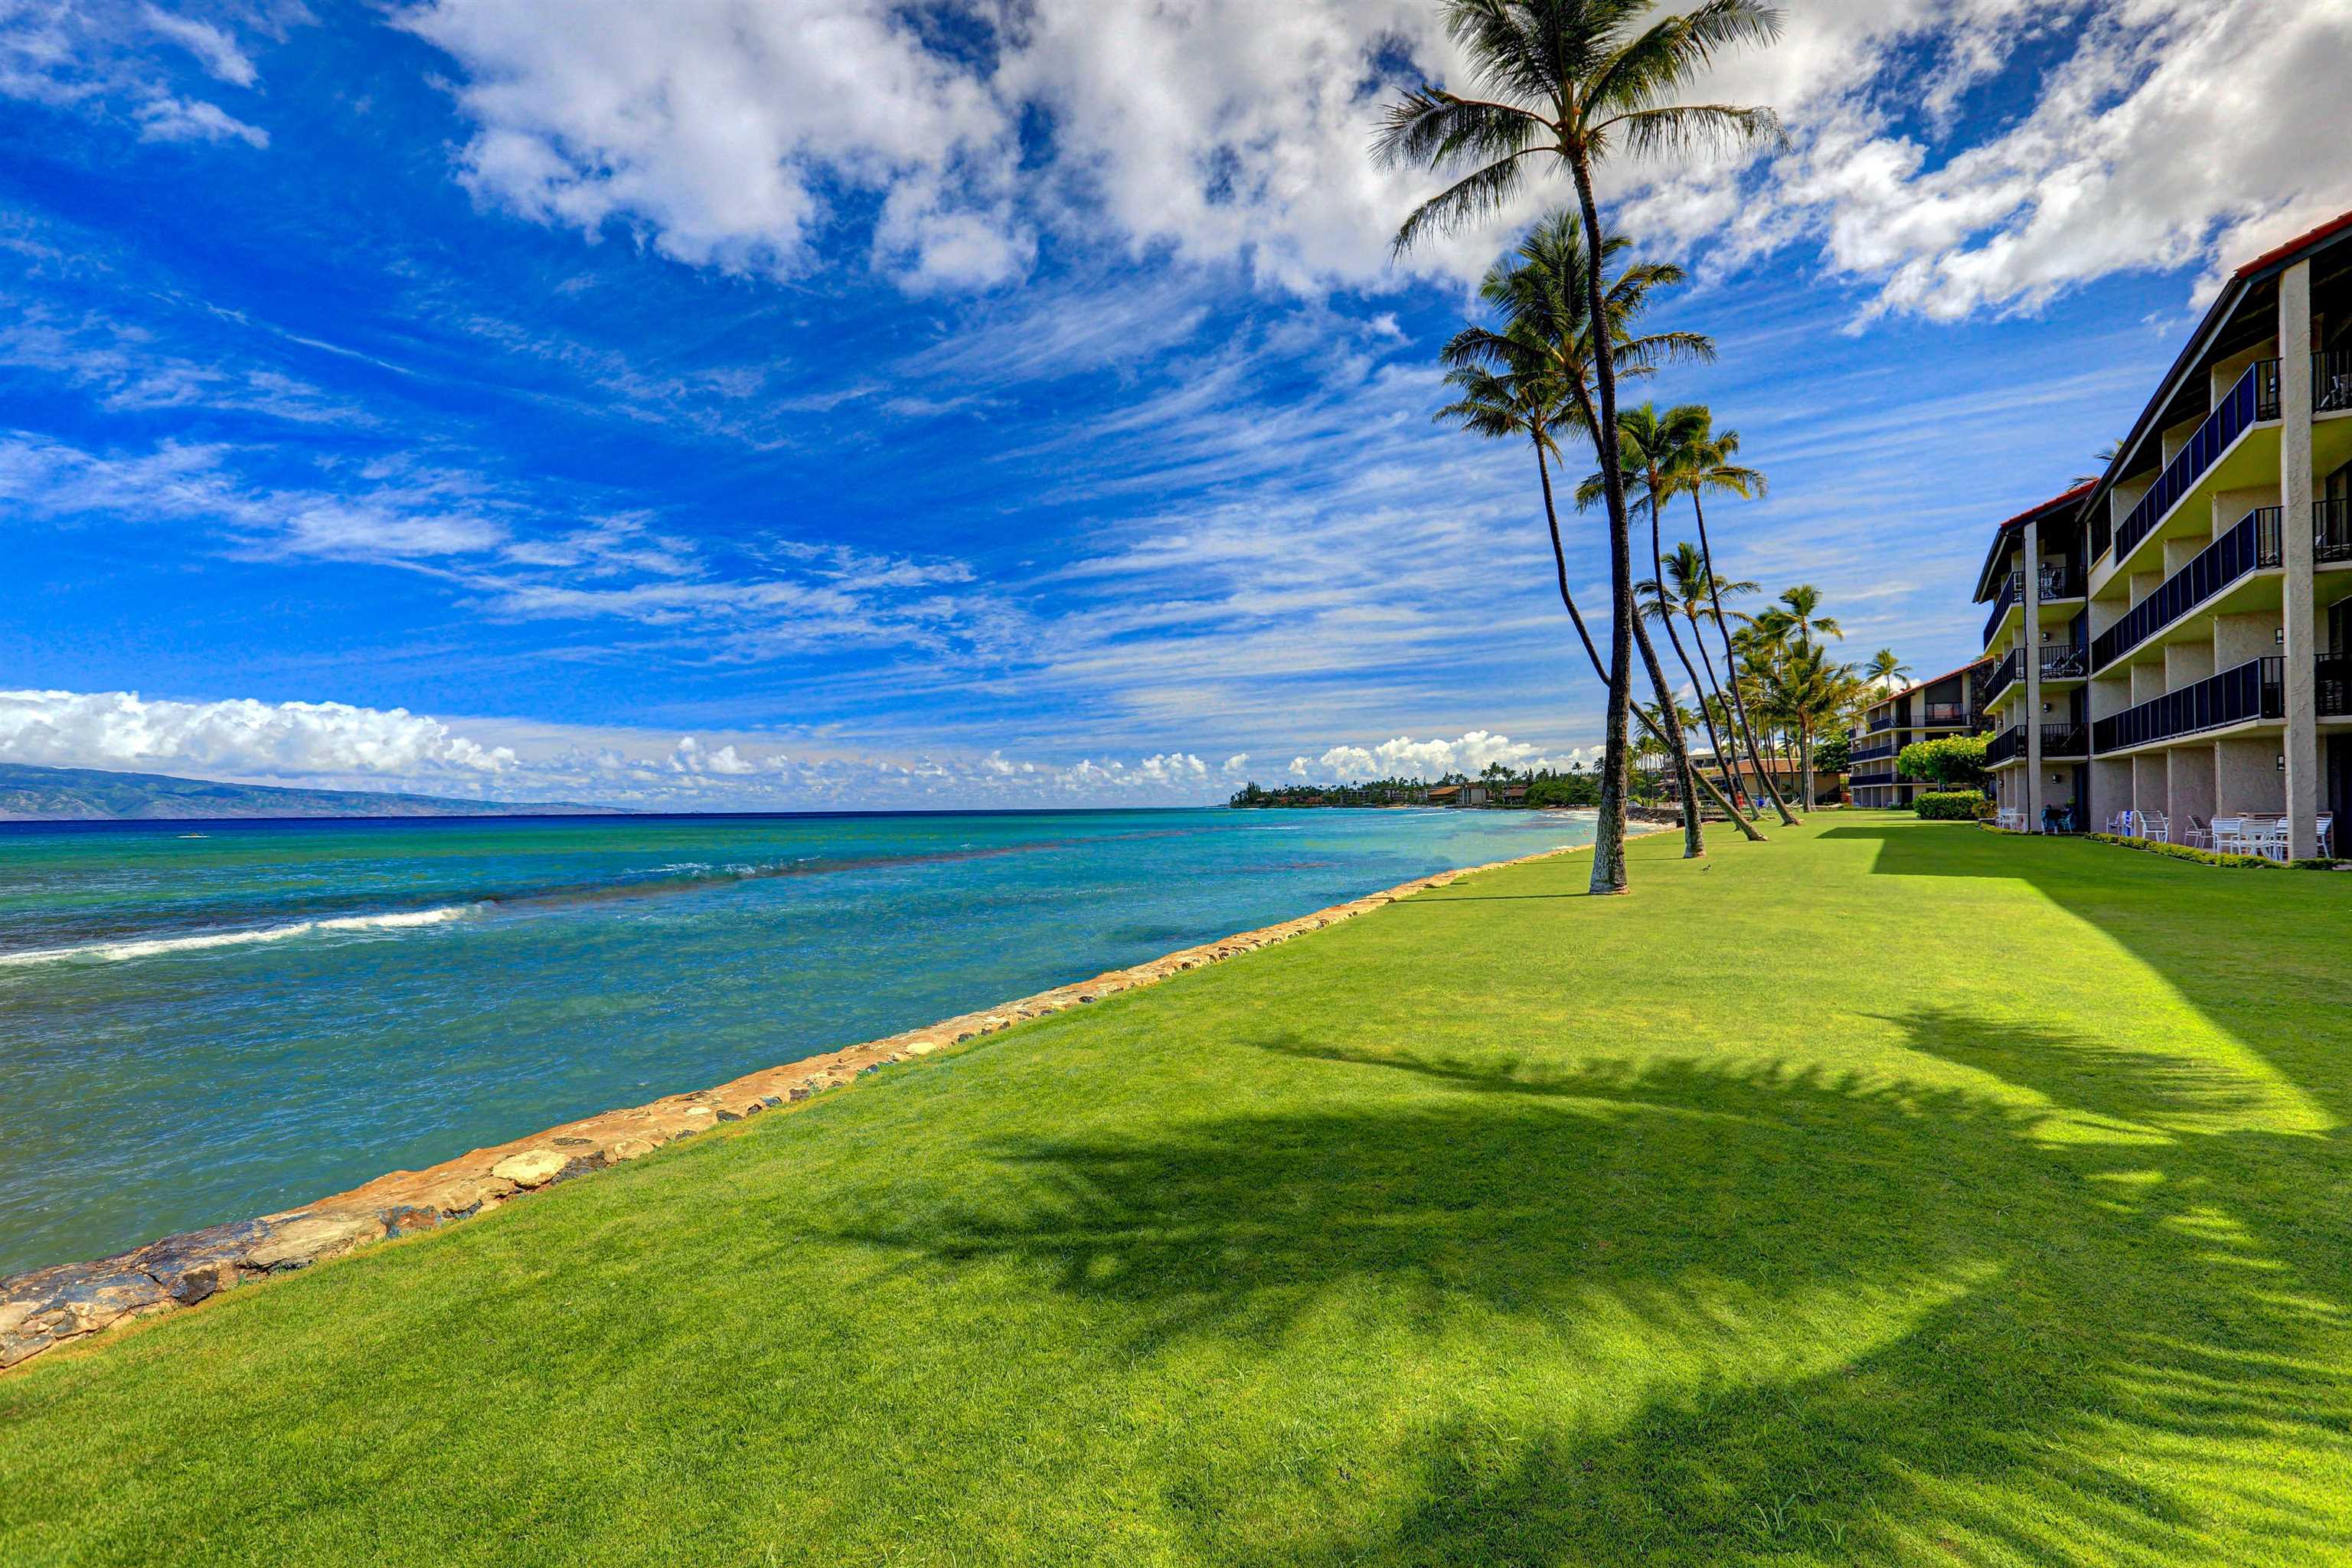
pixel 1658 575
pixel 1609 846
pixel 1715 687
pixel 1731 663
pixel 1600 669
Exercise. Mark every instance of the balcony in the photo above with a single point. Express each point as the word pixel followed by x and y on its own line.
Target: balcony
pixel 1946 715
pixel 2331 381
pixel 1881 722
pixel 2331 531
pixel 2255 690
pixel 2334 685
pixel 2251 545
pixel 2003 602
pixel 1864 781
pixel 2252 400
pixel 1999 679
pixel 1872 753
pixel 2059 743
pixel 2066 661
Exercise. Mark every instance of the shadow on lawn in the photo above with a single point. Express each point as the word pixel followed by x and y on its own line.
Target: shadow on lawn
pixel 1869 1317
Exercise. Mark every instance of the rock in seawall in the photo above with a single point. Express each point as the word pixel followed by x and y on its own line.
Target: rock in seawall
pixel 51 1306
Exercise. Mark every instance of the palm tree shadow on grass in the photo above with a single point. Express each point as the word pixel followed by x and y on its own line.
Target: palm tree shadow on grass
pixel 2082 1306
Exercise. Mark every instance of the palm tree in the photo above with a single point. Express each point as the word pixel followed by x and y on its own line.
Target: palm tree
pixel 1804 690
pixel 1886 671
pixel 1799 606
pixel 1546 339
pixel 1572 81
pixel 1509 383
pixel 1711 463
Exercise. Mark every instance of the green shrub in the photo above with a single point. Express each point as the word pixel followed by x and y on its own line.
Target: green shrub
pixel 2211 858
pixel 1951 805
pixel 1953 763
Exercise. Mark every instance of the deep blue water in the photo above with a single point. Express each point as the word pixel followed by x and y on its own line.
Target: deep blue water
pixel 202 1028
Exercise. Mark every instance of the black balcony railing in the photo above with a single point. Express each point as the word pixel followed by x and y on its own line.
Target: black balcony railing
pixel 2058 741
pixel 1938 714
pixel 2331 531
pixel 1999 679
pixel 2254 398
pixel 2331 381
pixel 1872 753
pixel 2255 690
pixel 2253 543
pixel 2066 661
pixel 2334 685
pixel 1881 722
pixel 2011 587
pixel 2061 582
pixel 1864 780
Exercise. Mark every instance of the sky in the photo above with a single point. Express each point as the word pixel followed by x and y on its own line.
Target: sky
pixel 831 404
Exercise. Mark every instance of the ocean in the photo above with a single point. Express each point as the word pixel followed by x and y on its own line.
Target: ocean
pixel 208 1021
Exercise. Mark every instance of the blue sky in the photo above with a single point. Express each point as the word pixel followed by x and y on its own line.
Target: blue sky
pixel 822 402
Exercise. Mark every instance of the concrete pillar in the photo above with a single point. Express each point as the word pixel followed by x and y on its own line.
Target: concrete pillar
pixel 2302 759
pixel 2034 789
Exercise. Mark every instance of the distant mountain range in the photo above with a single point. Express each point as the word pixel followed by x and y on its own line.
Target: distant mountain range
pixel 91 794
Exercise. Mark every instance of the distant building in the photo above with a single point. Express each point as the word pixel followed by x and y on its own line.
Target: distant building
pixel 1445 794
pixel 1929 711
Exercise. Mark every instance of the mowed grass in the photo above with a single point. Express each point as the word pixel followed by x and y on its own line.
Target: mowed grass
pixel 1891 1192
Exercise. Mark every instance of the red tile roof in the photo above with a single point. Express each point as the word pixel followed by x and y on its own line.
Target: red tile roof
pixel 2046 508
pixel 2300 242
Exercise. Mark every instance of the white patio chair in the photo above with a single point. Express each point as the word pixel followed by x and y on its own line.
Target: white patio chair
pixel 2199 834
pixel 2328 836
pixel 2230 835
pixel 2267 836
pixel 2158 829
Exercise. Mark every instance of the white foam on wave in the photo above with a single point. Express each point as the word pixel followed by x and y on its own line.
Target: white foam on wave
pixel 147 947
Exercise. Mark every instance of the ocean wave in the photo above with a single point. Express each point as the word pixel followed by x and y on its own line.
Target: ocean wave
pixel 147 947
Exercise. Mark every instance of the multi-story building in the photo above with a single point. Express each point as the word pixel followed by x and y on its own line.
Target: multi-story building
pixel 2032 687
pixel 1929 711
pixel 2177 636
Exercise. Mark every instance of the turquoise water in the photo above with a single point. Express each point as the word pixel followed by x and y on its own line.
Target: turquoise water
pixel 202 1028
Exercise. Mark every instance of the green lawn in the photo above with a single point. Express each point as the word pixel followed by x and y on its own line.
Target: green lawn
pixel 1891 1192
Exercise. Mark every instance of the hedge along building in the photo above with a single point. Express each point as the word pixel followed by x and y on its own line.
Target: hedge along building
pixel 2214 608
pixel 1929 711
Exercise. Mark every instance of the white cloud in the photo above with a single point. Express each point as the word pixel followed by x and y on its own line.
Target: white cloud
pixel 241 736
pixel 99 57
pixel 1404 757
pixel 214 47
pixel 2171 133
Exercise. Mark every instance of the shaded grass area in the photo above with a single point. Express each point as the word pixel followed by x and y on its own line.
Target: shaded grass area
pixel 1892 1192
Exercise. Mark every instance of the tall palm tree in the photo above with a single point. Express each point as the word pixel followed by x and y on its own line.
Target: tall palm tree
pixel 1711 463
pixel 1571 81
pixel 1536 293
pixel 1885 669
pixel 1801 607
pixel 1510 383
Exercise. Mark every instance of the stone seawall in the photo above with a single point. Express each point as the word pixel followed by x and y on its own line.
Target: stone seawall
pixel 49 1307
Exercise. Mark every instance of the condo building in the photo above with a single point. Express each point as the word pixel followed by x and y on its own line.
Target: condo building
pixel 1929 711
pixel 2175 637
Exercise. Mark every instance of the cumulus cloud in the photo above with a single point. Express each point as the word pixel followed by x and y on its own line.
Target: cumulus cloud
pixel 2168 133
pixel 1405 757
pixel 241 737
